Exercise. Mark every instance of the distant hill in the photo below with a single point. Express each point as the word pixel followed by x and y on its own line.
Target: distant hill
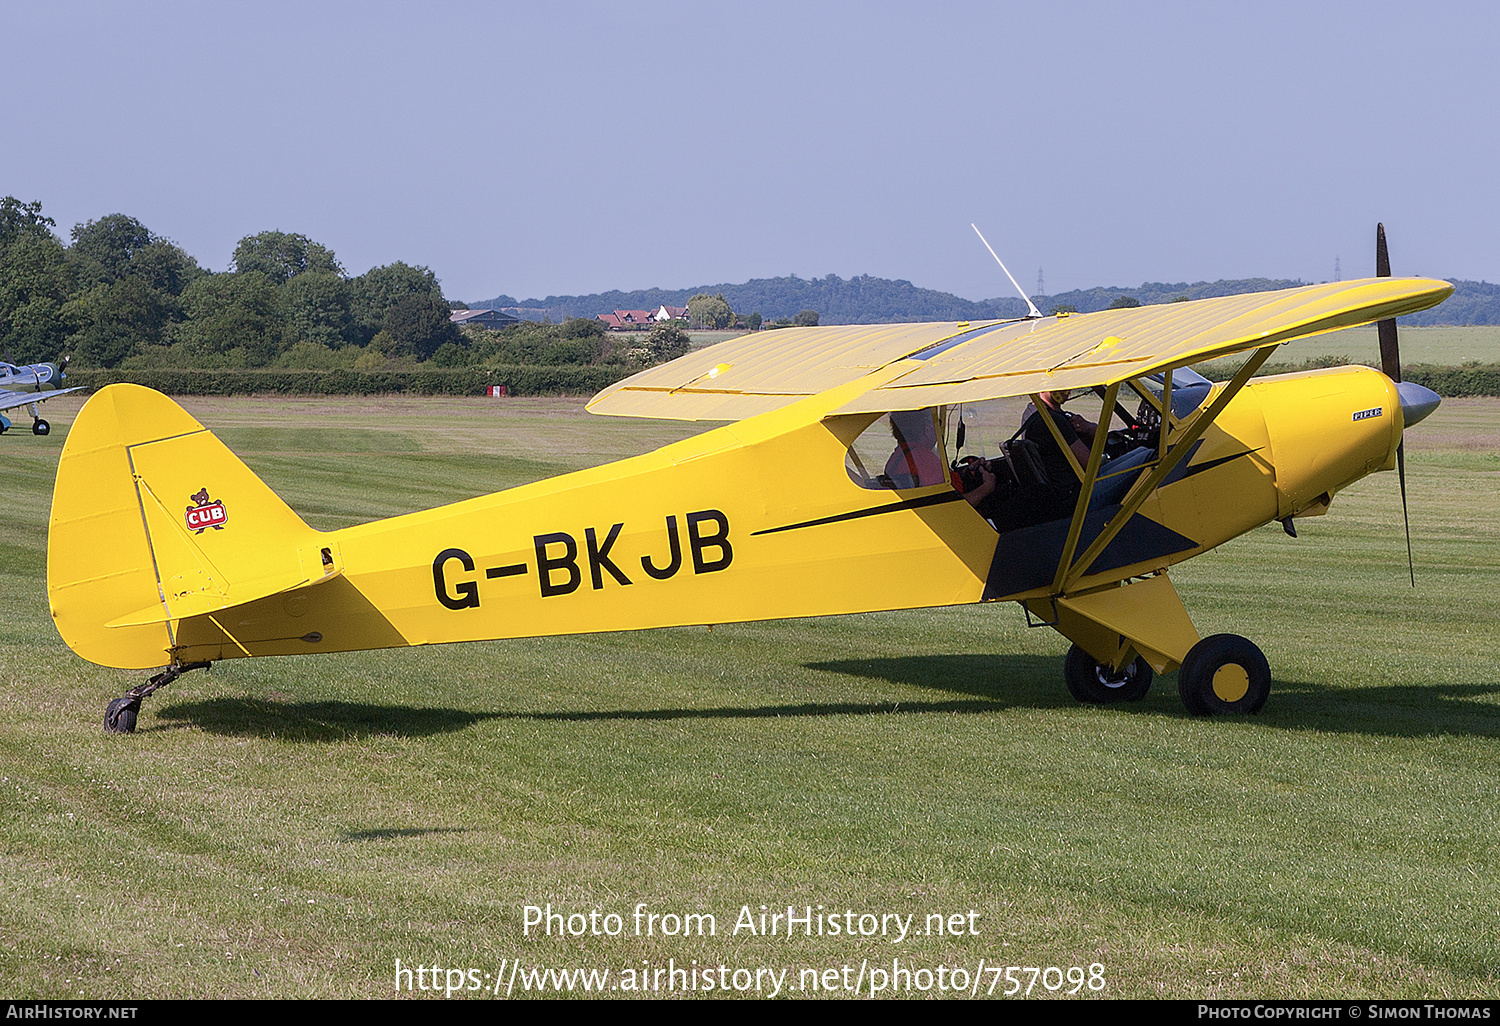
pixel 867 300
pixel 1472 302
pixel 1152 292
pixel 858 300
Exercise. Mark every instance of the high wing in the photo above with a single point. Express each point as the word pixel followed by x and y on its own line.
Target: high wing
pixel 945 363
pixel 12 400
pixel 765 370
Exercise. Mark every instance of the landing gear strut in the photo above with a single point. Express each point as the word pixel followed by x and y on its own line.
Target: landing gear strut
pixel 120 715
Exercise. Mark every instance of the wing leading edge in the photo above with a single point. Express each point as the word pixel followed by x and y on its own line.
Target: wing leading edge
pixel 955 363
pixel 14 400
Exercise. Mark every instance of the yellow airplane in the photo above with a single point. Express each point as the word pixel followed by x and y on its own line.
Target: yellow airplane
pixel 166 550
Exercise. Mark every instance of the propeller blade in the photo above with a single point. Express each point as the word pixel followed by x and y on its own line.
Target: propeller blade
pixel 1390 349
pixel 1390 364
pixel 1401 472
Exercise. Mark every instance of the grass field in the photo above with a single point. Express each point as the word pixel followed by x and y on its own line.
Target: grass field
pixel 293 827
pixel 1443 347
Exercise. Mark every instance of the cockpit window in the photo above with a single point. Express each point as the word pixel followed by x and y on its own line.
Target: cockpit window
pixel 1189 389
pixel 899 450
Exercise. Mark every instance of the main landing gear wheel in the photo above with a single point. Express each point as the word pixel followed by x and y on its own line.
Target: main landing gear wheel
pixel 40 427
pixel 1096 684
pixel 1223 674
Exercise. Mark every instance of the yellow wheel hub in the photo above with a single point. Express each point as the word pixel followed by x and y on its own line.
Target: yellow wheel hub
pixel 1231 682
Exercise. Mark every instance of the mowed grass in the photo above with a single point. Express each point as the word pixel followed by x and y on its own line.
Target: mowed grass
pixel 291 827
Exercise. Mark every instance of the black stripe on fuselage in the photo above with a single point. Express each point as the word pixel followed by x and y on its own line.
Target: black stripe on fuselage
pixel 890 507
pixel 1180 473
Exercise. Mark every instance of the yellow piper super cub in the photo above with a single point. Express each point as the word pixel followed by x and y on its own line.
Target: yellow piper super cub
pixel 165 549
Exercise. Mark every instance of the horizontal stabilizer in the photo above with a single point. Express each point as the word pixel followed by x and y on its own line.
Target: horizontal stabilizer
pixel 190 602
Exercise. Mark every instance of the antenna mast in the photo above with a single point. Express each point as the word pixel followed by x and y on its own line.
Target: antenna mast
pixel 1031 310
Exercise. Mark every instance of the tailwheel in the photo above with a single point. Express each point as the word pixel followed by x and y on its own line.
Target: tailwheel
pixel 1095 683
pixel 120 715
pixel 1224 673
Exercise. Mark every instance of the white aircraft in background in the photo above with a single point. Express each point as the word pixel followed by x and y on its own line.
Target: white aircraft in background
pixel 29 386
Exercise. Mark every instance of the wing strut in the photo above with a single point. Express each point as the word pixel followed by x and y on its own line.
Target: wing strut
pixel 1080 511
pixel 1067 450
pixel 1144 487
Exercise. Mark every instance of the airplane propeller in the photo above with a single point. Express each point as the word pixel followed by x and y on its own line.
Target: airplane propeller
pixel 1417 401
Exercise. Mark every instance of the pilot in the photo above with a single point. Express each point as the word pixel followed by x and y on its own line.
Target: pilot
pixel 1036 503
pixel 1076 431
pixel 916 463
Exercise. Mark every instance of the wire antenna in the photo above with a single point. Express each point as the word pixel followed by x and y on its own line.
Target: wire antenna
pixel 1031 310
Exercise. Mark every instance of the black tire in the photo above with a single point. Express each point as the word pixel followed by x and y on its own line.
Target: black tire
pixel 40 427
pixel 1095 684
pixel 119 715
pixel 1224 675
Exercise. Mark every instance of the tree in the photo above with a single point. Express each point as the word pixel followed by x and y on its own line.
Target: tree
pixel 373 293
pixel 131 280
pixel 35 280
pixel 451 354
pixel 316 308
pixel 419 324
pixel 281 256
pixel 806 319
pixel 102 250
pixel 117 246
pixel 118 319
pixel 19 219
pixel 1124 303
pixel 582 328
pixel 229 312
pixel 165 266
pixel 705 311
pixel 667 343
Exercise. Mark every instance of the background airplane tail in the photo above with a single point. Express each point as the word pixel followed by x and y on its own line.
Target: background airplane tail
pixel 153 520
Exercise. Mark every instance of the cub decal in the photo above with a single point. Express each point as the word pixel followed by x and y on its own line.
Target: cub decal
pixel 206 514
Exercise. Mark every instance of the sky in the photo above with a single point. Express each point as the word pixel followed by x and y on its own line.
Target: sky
pixel 562 148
